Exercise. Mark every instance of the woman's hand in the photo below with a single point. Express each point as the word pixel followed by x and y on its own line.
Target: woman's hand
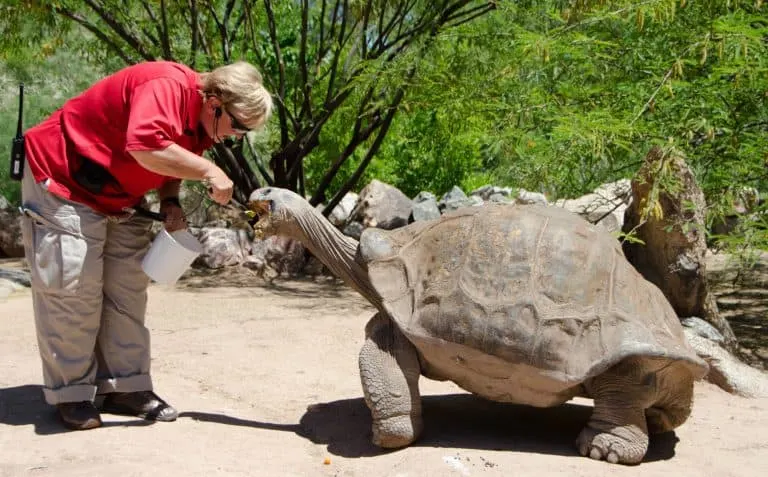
pixel 220 186
pixel 175 218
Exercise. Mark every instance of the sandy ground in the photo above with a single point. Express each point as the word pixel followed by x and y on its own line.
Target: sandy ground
pixel 266 380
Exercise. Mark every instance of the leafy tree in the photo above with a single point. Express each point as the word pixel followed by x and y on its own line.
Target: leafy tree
pixel 316 55
pixel 556 96
pixel 50 75
pixel 537 97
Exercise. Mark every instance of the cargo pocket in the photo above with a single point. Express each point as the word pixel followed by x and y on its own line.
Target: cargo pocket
pixel 56 252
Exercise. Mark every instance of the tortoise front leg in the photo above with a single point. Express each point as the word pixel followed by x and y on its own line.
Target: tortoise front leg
pixel 389 371
pixel 617 430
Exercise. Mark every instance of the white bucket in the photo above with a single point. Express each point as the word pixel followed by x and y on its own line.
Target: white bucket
pixel 170 255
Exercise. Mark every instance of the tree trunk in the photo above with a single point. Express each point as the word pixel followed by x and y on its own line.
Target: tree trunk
pixel 667 215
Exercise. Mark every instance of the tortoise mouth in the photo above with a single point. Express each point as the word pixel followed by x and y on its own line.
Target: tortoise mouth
pixel 259 211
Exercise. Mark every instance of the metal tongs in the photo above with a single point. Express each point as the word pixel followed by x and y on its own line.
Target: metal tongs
pixel 249 215
pixel 141 211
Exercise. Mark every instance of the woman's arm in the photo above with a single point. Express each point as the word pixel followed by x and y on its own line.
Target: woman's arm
pixel 175 161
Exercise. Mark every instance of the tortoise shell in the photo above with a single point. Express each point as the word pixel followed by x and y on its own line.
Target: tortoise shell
pixel 533 286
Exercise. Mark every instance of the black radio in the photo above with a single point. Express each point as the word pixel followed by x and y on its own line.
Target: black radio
pixel 17 149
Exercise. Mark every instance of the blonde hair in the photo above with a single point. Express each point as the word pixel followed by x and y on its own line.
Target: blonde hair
pixel 239 88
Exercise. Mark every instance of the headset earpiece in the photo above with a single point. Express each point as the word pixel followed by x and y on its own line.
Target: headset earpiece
pixel 217 112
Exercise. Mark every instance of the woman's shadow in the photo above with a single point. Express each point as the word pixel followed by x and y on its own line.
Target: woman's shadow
pixel 25 406
pixel 460 421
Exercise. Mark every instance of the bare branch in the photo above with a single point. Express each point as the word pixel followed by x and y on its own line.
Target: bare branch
pixel 228 11
pixel 193 20
pixel 341 41
pixel 324 44
pixel 255 47
pixel 199 34
pixel 236 27
pixel 284 140
pixel 382 132
pixel 225 32
pixel 357 137
pixel 334 19
pixel 364 30
pixel 321 41
pixel 335 60
pixel 79 19
pixel 119 29
pixel 396 19
pixel 306 89
pixel 469 15
pixel 162 41
pixel 153 21
pixel 164 36
pixel 259 163
pixel 221 27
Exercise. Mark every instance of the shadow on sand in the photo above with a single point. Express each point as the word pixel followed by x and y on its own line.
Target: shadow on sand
pixel 460 421
pixel 25 406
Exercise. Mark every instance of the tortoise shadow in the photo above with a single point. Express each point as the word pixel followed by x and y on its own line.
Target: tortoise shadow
pixel 467 422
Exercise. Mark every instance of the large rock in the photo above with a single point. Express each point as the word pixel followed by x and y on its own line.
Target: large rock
pixel 383 206
pixel 486 192
pixel 740 285
pixel 455 199
pixel 342 211
pixel 11 244
pixel 279 256
pixel 20 278
pixel 424 207
pixel 526 197
pixel 725 370
pixel 222 247
pixel 13 278
pixel 604 207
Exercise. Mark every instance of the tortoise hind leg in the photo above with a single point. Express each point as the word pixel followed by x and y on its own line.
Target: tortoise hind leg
pixel 674 401
pixel 389 371
pixel 617 430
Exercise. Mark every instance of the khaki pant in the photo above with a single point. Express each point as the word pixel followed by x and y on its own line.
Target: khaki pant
pixel 89 295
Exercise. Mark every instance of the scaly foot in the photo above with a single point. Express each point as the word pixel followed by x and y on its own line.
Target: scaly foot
pixel 397 431
pixel 618 445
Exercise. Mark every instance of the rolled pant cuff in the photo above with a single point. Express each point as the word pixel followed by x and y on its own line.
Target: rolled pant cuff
pixel 73 393
pixel 130 384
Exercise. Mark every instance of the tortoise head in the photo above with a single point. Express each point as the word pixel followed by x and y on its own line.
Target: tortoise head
pixel 274 211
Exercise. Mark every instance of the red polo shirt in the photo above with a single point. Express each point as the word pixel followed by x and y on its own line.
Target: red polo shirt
pixel 148 106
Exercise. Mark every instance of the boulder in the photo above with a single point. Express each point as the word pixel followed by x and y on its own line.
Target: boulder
pixel 382 205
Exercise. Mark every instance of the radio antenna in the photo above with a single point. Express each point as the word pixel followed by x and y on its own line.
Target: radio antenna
pixel 21 111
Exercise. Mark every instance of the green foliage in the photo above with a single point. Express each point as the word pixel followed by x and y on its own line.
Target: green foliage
pixel 48 82
pixel 563 102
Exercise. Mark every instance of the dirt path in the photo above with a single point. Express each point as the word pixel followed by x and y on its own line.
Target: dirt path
pixel 266 381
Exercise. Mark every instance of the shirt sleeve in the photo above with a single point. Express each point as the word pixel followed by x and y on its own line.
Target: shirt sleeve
pixel 155 119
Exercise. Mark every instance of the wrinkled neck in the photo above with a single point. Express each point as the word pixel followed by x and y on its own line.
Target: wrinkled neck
pixel 335 250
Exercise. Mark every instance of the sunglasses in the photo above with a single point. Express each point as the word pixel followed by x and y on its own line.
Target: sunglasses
pixel 237 126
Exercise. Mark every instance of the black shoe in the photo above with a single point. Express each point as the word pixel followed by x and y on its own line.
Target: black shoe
pixel 79 416
pixel 144 404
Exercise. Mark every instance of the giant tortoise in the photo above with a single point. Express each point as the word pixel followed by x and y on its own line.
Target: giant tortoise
pixel 521 304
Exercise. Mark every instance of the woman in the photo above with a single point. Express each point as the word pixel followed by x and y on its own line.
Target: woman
pixel 88 167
